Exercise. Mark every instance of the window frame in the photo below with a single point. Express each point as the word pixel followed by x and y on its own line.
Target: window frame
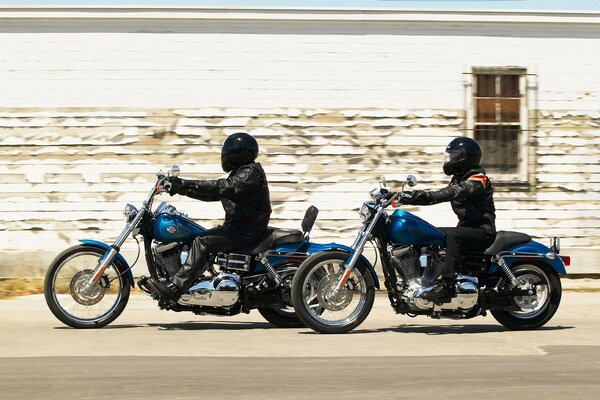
pixel 522 176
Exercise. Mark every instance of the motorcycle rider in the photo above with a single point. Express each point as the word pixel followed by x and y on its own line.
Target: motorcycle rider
pixel 470 192
pixel 244 195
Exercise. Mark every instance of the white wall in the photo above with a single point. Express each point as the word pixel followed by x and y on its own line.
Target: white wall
pixel 287 58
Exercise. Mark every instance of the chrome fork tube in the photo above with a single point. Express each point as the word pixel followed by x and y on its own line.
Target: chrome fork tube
pixel 358 247
pixel 115 248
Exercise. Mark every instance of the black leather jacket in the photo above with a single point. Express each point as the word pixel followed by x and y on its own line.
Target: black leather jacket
pixel 244 195
pixel 472 198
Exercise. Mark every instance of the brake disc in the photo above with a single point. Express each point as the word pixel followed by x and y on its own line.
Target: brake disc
pixel 91 295
pixel 328 298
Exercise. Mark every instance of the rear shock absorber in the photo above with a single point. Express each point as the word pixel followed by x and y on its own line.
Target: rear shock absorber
pixel 509 274
pixel 270 270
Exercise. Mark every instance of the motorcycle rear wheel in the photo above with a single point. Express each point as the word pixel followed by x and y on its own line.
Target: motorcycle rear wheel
pixel 281 318
pixel 535 311
pixel 312 293
pixel 80 307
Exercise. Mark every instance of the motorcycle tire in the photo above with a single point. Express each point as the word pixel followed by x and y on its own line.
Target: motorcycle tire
pixel 80 298
pixel 281 319
pixel 316 320
pixel 549 296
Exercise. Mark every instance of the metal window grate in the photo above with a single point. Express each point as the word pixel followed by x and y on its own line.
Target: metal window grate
pixel 497 127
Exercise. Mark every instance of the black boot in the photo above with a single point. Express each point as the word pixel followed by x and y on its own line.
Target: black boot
pixel 441 291
pixel 165 290
pixel 195 265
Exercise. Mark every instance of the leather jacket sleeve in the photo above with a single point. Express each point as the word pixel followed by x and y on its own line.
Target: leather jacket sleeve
pixel 465 189
pixel 246 180
pixel 473 186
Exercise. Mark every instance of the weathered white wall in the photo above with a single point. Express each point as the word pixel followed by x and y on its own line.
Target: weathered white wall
pixel 336 59
pixel 94 101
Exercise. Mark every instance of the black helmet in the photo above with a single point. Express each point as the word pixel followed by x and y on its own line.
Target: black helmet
pixel 462 154
pixel 239 149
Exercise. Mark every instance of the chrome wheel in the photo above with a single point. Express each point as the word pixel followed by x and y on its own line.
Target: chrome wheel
pixel 73 299
pixel 318 301
pixel 534 311
pixel 534 305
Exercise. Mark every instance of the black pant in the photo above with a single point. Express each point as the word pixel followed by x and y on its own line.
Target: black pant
pixel 216 240
pixel 461 240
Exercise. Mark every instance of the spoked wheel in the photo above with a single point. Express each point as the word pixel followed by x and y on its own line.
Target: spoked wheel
pixel 536 310
pixel 320 305
pixel 78 304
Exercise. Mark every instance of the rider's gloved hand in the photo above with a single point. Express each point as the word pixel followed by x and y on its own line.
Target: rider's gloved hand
pixel 173 184
pixel 417 197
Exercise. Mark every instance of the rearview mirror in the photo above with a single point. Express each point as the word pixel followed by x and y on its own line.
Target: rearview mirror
pixel 382 182
pixel 411 180
pixel 175 170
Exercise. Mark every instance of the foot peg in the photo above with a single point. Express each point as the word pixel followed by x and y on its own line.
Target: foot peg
pixel 142 284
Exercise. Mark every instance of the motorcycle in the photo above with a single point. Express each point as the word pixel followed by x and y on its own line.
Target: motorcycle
pixel 516 279
pixel 88 285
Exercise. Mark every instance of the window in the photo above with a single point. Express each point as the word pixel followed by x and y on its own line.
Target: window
pixel 499 121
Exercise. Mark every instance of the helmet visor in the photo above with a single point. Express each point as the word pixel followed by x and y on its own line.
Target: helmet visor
pixel 451 156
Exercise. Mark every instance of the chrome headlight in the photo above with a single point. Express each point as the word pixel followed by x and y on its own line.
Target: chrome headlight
pixel 366 211
pixel 129 212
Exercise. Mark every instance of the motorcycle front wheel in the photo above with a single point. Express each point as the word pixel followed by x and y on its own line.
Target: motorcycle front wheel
pixel 319 305
pixel 72 301
pixel 533 311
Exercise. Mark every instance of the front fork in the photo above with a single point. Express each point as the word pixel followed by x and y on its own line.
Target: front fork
pixel 357 249
pixel 110 255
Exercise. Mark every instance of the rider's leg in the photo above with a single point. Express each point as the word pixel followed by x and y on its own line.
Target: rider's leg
pixel 458 240
pixel 223 238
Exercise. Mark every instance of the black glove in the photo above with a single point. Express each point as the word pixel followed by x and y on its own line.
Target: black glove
pixel 173 184
pixel 418 197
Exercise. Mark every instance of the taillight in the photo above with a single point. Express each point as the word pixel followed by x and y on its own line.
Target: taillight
pixel 566 260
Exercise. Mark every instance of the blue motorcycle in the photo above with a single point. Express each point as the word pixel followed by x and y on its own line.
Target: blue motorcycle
pixel 516 279
pixel 88 285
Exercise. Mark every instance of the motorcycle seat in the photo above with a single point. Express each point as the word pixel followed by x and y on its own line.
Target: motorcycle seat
pixel 504 240
pixel 272 237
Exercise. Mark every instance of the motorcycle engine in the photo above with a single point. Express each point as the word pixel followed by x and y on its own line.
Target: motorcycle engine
pixel 406 263
pixel 419 270
pixel 168 258
pixel 420 266
pixel 467 293
pixel 222 290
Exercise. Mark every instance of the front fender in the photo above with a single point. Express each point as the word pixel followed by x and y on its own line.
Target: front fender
pixel 121 259
pixel 532 247
pixel 316 248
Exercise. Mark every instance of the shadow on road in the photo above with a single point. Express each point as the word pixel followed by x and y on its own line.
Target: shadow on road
pixel 455 329
pixel 212 325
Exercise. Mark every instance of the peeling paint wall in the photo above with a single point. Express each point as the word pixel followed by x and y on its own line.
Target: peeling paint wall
pixel 67 174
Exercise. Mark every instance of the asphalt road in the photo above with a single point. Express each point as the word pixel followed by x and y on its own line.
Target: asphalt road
pixel 148 353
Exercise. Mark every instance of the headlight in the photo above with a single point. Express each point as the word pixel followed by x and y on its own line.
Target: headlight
pixel 129 212
pixel 365 212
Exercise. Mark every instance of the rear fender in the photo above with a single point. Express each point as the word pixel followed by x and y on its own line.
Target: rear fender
pixel 531 247
pixel 120 258
pixel 316 248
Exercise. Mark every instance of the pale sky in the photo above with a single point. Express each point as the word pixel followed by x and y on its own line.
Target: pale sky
pixel 563 5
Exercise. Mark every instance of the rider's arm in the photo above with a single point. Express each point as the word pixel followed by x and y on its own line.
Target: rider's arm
pixel 473 186
pixel 246 180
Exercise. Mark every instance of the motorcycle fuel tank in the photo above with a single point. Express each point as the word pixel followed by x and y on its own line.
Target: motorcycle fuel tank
pixel 405 228
pixel 175 228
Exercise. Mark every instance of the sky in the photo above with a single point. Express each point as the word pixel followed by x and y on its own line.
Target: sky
pixel 563 5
